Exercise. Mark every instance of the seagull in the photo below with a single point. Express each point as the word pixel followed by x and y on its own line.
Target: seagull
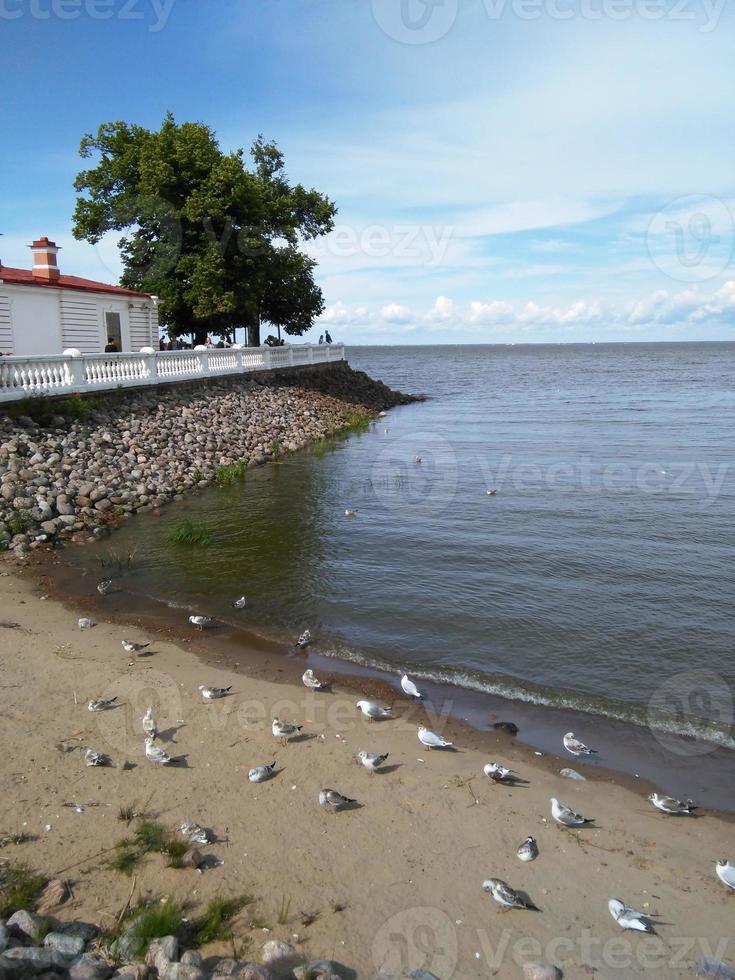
pixel 573 745
pixel 628 918
pixel 417 459
pixel 105 586
pixel 304 640
pixel 410 688
pixel 201 622
pixel 528 851
pixel 101 704
pixel 149 723
pixel 371 760
pixel 284 730
pixel 667 804
pixel 130 647
pixel 240 603
pixel 506 896
pixel 499 774
pixel 567 817
pixel 349 512
pixel 726 873
pixel 85 623
pixel 372 710
pixel 195 834
pixel 333 800
pixel 92 758
pixel 260 773
pixel 155 753
pixel 431 740
pixel 311 682
pixel 491 493
pixel 213 693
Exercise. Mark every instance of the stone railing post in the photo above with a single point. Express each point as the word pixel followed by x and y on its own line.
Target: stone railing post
pixel 266 357
pixel 75 368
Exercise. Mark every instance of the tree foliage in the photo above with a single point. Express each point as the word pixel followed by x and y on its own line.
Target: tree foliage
pixel 217 241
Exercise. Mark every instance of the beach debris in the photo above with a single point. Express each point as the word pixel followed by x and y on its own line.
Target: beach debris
pixel 372 710
pixel 92 758
pixel 9 626
pixel 371 760
pixel 572 774
pixel 628 918
pixel 130 647
pixel 672 806
pixel 304 640
pixel 309 680
pixel 506 726
pixel 261 773
pixel 105 586
pixel 410 688
pixel 528 851
pixel 726 873
pixel 85 623
pixel 541 971
pixel 155 753
pixel 284 729
pixel 333 800
pixel 573 745
pixel 101 704
pixel 196 834
pixel 506 896
pixel 565 816
pixel 54 894
pixel 431 740
pixel 708 966
pixel 201 622
pixel 499 773
pixel 149 723
pixel 240 603
pixel 213 693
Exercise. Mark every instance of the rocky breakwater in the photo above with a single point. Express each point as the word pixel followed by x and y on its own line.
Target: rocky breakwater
pixel 74 468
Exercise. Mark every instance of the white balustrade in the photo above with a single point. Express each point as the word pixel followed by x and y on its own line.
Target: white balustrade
pixel 30 377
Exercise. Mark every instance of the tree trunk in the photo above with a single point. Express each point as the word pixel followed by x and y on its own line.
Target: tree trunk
pixel 253 329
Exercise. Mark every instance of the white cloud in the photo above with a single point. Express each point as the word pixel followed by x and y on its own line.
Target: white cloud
pixel 396 313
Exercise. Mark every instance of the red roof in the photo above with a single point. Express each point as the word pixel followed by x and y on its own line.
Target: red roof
pixel 24 277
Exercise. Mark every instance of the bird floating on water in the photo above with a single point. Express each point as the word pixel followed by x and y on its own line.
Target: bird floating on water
pixel 130 647
pixel 410 688
pixel 676 808
pixel 260 773
pixel 726 873
pixel 575 747
pixel 201 622
pixel 149 723
pixel 491 493
pixel 155 753
pixel 240 603
pixel 309 680
pixel 565 816
pixel 417 459
pixel 371 760
pixel 506 896
pixel 349 512
pixel 284 729
pixel 333 800
pixel 431 740
pixel 213 693
pixel 528 851
pixel 304 640
pixel 105 586
pixel 92 758
pixel 372 710
pixel 499 773
pixel 628 918
pixel 101 704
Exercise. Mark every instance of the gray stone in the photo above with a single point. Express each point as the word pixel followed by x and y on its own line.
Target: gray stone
pixel 279 957
pixel 252 971
pixel 225 968
pixel 68 946
pixel 49 527
pixel 37 959
pixel 328 968
pixel 535 971
pixel 191 957
pixel 86 930
pixel 64 508
pixel 4 936
pixel 181 971
pixel 26 925
pixel 89 967
pixel 162 951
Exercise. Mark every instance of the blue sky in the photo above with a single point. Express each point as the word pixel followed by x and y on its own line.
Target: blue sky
pixel 505 170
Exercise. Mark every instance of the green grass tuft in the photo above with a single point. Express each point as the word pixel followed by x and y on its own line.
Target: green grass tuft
pixel 153 922
pixel 188 532
pixel 19 888
pixel 20 521
pixel 214 924
pixel 175 849
pixel 226 475
pixel 151 836
pixel 356 420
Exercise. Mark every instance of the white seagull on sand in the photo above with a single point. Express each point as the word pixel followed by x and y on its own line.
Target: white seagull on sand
pixel 628 918
pixel 372 710
pixel 195 834
pixel 155 753
pixel 575 747
pixel 149 723
pixel 566 816
pixel 333 800
pixel 371 760
pixel 101 704
pixel 85 623
pixel 260 773
pixel 726 873
pixel 498 773
pixel 240 603
pixel 410 688
pixel 105 586
pixel 213 693
pixel 431 740
pixel 506 896
pixel 310 681
pixel 528 851
pixel 201 622
pixel 130 647
pixel 667 804
pixel 304 640
pixel 284 729
pixel 92 758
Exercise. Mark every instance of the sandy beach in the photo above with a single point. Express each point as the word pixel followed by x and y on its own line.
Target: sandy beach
pixel 393 884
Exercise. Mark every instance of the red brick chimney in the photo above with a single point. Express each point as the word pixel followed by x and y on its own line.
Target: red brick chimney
pixel 44 260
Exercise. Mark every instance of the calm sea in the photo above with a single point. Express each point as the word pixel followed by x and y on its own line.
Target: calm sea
pixel 597 577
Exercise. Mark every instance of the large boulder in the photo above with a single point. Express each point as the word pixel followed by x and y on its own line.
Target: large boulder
pixel 89 967
pixel 279 957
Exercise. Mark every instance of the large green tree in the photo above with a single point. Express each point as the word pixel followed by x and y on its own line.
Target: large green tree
pixel 217 241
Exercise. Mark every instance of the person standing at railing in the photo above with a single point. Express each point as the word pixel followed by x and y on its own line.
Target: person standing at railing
pixel 327 337
pixel 111 347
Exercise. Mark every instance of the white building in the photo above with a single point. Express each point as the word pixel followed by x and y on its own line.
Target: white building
pixel 43 312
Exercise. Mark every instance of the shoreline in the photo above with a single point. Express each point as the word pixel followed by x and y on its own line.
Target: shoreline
pixel 439 826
